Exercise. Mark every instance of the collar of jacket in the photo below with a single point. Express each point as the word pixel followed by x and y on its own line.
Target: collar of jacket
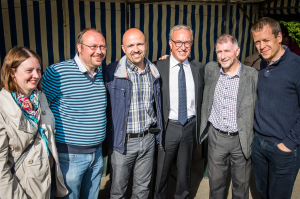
pixel 121 68
pixel 10 109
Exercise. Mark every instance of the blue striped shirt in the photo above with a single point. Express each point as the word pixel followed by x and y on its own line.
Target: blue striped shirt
pixel 78 105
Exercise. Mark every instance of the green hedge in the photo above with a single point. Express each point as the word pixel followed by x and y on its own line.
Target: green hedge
pixel 294 30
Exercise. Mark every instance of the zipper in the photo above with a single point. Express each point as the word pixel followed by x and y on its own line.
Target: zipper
pixel 126 118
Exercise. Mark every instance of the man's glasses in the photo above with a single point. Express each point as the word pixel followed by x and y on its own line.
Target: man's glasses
pixel 102 48
pixel 179 43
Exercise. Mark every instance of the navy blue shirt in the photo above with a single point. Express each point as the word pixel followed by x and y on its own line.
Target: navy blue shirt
pixel 277 109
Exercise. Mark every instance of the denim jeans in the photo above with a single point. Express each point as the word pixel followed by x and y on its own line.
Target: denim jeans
pixel 138 158
pixel 275 170
pixel 82 174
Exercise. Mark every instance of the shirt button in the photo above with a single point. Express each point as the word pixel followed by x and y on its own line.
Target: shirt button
pixel 16 149
pixel 268 71
pixel 30 161
pixel 44 112
pixel 31 141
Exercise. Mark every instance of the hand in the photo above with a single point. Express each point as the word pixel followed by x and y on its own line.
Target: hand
pixel 282 147
pixel 163 57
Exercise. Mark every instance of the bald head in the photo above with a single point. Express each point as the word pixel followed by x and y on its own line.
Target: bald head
pixel 134 46
pixel 132 32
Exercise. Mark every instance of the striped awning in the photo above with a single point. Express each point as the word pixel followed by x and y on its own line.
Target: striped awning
pixel 285 7
pixel 50 28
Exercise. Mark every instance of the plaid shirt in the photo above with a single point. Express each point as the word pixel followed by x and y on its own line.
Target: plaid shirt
pixel 223 112
pixel 141 113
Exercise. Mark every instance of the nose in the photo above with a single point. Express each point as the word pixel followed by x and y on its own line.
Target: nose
pixel 135 48
pixel 222 55
pixel 262 45
pixel 98 50
pixel 183 46
pixel 36 74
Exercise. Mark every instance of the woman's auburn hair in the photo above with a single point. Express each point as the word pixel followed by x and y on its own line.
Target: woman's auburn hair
pixel 12 60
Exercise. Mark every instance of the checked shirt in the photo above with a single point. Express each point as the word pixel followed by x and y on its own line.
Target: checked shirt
pixel 223 112
pixel 141 112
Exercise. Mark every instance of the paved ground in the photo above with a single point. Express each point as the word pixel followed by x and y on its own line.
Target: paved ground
pixel 200 187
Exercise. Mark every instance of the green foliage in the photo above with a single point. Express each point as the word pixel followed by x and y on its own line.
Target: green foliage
pixel 294 30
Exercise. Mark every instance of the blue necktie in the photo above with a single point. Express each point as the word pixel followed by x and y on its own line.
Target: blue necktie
pixel 182 110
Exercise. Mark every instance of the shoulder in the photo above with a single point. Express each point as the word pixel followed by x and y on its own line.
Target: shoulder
pixel 110 68
pixel 63 64
pixel 211 66
pixel 61 67
pixel 249 69
pixel 197 63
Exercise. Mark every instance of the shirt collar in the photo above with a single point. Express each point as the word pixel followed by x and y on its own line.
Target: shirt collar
pixel 133 67
pixel 237 73
pixel 82 68
pixel 277 60
pixel 174 62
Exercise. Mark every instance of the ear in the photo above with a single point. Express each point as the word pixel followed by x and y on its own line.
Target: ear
pixel 123 48
pixel 78 47
pixel 12 72
pixel 279 37
pixel 170 43
pixel 237 51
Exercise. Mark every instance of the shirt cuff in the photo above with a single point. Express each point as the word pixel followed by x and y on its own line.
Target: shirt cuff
pixel 289 143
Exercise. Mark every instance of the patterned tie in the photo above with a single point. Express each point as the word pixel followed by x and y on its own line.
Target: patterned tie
pixel 182 110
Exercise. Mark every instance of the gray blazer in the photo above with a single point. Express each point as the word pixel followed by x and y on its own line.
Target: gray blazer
pixel 197 68
pixel 245 103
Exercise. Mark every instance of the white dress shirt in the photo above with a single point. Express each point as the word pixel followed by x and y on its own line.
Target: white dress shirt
pixel 190 89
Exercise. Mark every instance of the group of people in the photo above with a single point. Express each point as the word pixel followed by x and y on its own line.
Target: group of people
pixel 52 128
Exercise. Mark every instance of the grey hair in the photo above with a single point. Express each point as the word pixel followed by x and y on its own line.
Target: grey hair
pixel 179 27
pixel 225 38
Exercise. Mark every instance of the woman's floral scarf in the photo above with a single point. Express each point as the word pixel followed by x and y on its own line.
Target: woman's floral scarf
pixel 28 106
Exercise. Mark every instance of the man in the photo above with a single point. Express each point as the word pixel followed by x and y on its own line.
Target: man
pixel 76 92
pixel 227 119
pixel 134 116
pixel 182 87
pixel 275 150
pixel 289 41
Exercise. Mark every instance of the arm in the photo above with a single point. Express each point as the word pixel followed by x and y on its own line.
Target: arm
pixel 292 139
pixel 51 84
pixel 9 186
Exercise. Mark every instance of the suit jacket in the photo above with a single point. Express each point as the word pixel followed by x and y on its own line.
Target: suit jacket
pixel 198 74
pixel 245 102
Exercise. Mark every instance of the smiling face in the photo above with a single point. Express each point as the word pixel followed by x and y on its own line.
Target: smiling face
pixel 91 59
pixel 227 55
pixel 28 75
pixel 181 53
pixel 134 46
pixel 267 44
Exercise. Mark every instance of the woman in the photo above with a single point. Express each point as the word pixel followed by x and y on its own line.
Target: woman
pixel 26 121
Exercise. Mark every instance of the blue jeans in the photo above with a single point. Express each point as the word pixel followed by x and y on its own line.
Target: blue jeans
pixel 138 158
pixel 275 170
pixel 82 174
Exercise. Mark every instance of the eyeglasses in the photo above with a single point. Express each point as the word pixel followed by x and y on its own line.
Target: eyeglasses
pixel 179 43
pixel 102 48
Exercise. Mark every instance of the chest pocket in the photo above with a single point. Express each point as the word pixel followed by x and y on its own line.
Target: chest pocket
pixel 117 97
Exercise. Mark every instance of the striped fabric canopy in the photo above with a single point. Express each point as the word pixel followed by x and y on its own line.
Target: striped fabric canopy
pixel 285 7
pixel 50 27
pixel 156 20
